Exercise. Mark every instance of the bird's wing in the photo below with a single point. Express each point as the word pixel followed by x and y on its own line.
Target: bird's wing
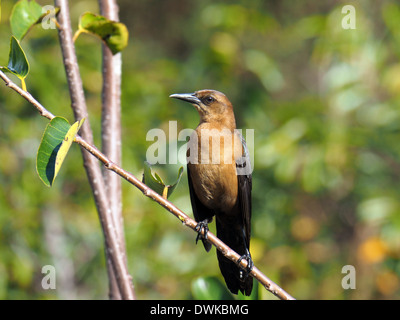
pixel 243 169
pixel 200 211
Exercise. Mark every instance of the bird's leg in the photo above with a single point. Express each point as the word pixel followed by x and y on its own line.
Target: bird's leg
pixel 249 266
pixel 202 225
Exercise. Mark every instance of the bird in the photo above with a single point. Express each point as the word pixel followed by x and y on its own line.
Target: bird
pixel 220 182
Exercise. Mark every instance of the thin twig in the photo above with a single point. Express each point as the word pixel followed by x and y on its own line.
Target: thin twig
pixel 111 129
pixel 185 219
pixel 115 253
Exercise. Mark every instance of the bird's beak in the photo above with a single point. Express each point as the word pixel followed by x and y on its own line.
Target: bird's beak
pixel 189 97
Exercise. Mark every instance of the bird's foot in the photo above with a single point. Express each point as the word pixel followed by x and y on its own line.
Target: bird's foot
pixel 246 271
pixel 202 226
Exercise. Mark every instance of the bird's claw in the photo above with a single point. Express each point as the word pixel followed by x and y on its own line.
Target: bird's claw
pixel 202 226
pixel 249 266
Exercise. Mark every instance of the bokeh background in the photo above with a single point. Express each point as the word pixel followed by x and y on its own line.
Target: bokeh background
pixel 324 103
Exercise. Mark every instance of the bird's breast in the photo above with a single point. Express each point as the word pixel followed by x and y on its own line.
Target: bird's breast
pixel 211 161
pixel 215 185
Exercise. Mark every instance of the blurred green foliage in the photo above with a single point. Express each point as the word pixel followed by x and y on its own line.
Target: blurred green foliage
pixel 325 106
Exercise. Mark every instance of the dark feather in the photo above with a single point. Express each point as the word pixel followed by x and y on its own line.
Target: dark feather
pixel 237 236
pixel 200 211
pixel 244 191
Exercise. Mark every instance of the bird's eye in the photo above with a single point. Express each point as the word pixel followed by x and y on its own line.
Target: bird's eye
pixel 209 100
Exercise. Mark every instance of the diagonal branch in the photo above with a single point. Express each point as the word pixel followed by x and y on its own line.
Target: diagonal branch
pixel 185 219
pixel 115 254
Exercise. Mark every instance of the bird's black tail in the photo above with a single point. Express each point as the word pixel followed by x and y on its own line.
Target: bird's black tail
pixel 236 279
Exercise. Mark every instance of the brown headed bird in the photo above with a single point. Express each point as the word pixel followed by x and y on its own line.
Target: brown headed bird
pixel 219 176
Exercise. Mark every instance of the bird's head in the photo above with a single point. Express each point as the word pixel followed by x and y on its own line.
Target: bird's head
pixel 212 105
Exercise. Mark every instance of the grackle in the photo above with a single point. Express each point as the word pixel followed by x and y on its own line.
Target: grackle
pixel 219 176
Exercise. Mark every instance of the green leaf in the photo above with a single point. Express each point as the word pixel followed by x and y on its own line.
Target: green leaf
pixel 24 15
pixel 210 288
pixel 17 62
pixel 56 141
pixel 171 188
pixel 157 184
pixel 114 34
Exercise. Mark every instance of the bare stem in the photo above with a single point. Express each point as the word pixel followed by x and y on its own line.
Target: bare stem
pixel 111 127
pixel 185 219
pixel 115 252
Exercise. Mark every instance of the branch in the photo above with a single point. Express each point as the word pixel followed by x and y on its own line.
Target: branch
pixel 111 128
pixel 186 220
pixel 114 250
